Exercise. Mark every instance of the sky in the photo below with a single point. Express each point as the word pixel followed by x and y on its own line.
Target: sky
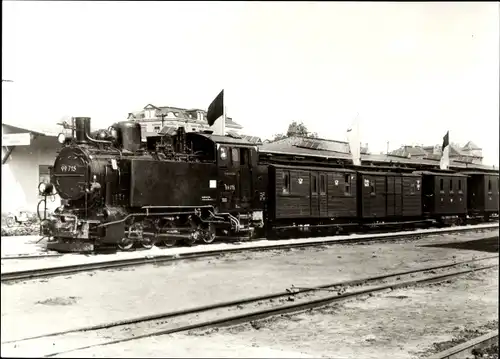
pixel 412 71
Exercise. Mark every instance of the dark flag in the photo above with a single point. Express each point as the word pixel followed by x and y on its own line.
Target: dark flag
pixel 445 152
pixel 446 140
pixel 216 109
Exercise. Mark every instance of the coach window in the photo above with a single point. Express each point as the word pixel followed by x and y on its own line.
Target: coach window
pixel 347 180
pixel 244 157
pixel 372 188
pixel 286 182
pixel 489 185
pixel 314 184
pixel 459 186
pixel 441 185
pixel 412 188
pixel 451 186
pixel 322 184
pixel 235 157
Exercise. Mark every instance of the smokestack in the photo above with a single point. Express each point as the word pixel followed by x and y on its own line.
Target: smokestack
pixel 82 129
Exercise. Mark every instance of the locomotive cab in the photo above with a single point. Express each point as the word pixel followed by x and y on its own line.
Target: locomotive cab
pixel 235 160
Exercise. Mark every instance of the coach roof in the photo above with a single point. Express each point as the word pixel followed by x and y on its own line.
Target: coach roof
pixel 226 140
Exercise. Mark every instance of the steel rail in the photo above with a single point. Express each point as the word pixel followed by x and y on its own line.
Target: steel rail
pixel 120 263
pixel 462 350
pixel 235 303
pixel 31 256
pixel 279 310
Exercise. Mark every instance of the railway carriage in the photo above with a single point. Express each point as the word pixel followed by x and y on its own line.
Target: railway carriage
pixel 315 196
pixel 444 194
pixel 389 196
pixel 482 193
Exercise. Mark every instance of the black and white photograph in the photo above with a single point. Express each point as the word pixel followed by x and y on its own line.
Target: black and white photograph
pixel 239 179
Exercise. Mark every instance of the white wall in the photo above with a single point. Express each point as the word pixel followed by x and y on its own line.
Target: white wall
pixel 20 177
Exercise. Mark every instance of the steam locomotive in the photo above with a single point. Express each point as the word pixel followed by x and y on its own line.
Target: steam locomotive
pixel 116 191
pixel 196 186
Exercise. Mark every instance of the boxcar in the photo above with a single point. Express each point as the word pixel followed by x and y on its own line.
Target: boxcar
pixel 311 193
pixel 387 195
pixel 444 194
pixel 482 193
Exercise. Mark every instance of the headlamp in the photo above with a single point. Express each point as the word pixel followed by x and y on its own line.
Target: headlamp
pixel 45 189
pixel 61 138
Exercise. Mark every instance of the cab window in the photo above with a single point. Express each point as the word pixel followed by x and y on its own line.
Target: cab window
pixel 235 156
pixel 244 160
pixel 223 156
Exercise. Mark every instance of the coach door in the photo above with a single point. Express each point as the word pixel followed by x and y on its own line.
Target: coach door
pixel 322 197
pixel 314 194
pixel 245 177
pixel 241 164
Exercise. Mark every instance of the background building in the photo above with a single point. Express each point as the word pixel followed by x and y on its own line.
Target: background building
pixel 469 153
pixel 153 118
pixel 26 157
pixel 314 143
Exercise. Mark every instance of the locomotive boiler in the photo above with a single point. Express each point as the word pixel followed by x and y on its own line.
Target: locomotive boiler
pixel 180 186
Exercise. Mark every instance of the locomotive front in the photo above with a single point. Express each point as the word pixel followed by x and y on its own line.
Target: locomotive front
pixel 78 175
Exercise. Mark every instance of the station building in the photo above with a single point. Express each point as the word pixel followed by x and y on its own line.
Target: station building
pixel 27 154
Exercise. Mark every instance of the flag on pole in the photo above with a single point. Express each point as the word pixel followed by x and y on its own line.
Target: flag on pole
pixel 354 141
pixel 445 152
pixel 216 109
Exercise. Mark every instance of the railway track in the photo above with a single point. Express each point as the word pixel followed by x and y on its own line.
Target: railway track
pixel 464 350
pixel 235 312
pixel 32 256
pixel 38 273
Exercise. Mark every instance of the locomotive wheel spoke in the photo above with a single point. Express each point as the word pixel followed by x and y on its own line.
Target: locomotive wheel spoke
pixel 209 237
pixel 149 240
pixel 209 234
pixel 125 244
pixel 134 234
pixel 168 241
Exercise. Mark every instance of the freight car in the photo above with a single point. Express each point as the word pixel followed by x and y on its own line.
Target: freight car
pixel 196 186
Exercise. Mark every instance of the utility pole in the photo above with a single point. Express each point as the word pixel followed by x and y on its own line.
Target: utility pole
pixel 162 120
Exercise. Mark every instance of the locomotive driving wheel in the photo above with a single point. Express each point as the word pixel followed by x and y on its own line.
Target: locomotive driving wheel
pixel 168 241
pixel 125 243
pixel 149 235
pixel 208 235
pixel 134 234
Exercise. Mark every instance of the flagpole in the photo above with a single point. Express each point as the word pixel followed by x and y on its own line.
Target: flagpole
pixel 223 124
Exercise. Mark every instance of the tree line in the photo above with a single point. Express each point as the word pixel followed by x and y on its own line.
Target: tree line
pixel 295 129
